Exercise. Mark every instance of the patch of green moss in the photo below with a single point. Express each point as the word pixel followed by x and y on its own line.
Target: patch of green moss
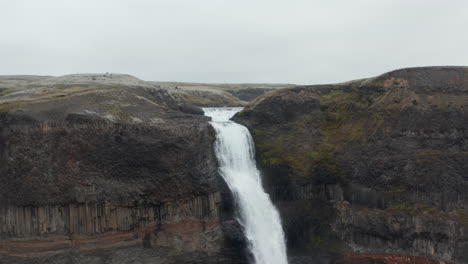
pixel 57 92
pixel 340 129
pixel 212 134
pixel 11 106
pixel 305 159
pixel 118 112
pixel 324 169
pixel 412 208
pixel 283 150
pixel 346 118
pixel 6 91
pixel 275 152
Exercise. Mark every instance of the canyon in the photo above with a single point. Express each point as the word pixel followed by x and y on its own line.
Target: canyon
pixel 111 169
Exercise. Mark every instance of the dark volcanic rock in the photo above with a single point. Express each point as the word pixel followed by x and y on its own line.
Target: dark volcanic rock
pixel 123 150
pixel 395 147
pixel 89 172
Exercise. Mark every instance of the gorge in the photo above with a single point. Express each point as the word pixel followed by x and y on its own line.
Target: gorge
pixel 110 169
pixel 259 218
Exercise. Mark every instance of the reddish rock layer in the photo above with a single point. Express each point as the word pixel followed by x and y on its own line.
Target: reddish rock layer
pixel 373 258
pixel 185 234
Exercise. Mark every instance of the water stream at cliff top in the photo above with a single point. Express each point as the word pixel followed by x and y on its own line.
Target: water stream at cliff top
pixel 236 155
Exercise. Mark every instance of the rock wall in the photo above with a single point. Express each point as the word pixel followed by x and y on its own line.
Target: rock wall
pixel 181 226
pixel 420 233
pixel 92 219
pixel 393 148
pixel 90 173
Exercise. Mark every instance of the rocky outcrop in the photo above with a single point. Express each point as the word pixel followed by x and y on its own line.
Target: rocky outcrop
pixel 110 173
pixel 372 166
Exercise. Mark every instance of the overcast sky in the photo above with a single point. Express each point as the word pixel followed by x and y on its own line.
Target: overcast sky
pixel 288 41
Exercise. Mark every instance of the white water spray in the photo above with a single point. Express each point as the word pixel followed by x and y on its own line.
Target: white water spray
pixel 258 216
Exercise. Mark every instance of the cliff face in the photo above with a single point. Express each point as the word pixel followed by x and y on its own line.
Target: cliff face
pixel 375 165
pixel 116 170
pixel 109 173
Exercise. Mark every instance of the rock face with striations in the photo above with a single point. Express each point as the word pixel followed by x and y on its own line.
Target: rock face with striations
pixel 375 166
pixel 111 170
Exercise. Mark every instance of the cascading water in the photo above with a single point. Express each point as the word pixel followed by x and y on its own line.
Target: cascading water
pixel 258 216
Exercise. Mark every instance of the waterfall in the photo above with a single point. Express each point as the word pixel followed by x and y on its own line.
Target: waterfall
pixel 236 155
